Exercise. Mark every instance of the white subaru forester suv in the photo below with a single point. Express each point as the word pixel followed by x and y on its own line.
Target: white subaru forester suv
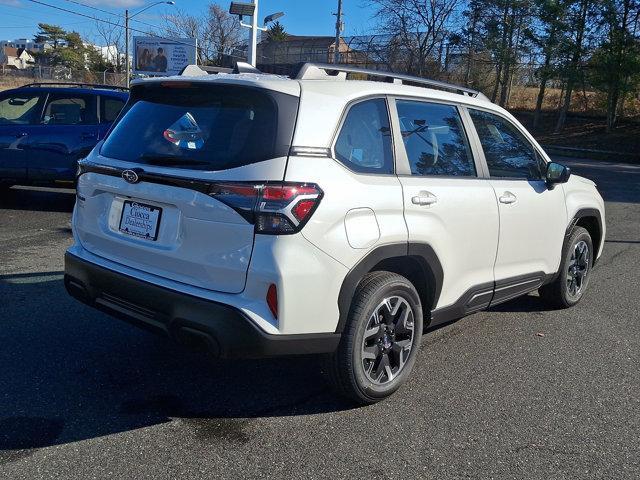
pixel 260 215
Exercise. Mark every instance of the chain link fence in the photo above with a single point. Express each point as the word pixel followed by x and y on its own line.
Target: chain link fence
pixel 13 78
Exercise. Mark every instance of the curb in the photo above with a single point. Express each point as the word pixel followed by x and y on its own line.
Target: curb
pixel 593 154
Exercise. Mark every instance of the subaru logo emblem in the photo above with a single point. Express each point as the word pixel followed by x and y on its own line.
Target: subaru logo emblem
pixel 130 176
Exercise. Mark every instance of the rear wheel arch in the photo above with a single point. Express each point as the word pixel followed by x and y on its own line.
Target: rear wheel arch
pixel 417 262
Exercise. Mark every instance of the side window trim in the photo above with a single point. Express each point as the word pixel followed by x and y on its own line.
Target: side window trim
pixel 537 151
pixel 43 104
pixel 403 166
pixel 474 140
pixel 343 118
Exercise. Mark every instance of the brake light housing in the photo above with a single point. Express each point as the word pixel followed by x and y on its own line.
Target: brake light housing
pixel 274 208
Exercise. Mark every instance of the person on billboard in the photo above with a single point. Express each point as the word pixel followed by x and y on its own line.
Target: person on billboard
pixel 160 61
pixel 144 60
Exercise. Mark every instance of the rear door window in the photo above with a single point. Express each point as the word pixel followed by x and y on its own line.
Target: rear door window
pixel 364 142
pixel 69 109
pixel 206 127
pixel 434 139
pixel 20 108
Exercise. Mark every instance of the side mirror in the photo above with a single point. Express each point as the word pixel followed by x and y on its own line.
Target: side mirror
pixel 557 173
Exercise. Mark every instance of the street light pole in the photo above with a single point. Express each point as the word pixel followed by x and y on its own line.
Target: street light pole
pixel 250 9
pixel 253 36
pixel 336 50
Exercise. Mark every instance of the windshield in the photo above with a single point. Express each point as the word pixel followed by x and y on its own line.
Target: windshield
pixel 20 108
pixel 205 127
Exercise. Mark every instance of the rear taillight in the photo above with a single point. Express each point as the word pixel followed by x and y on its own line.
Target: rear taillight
pixel 275 208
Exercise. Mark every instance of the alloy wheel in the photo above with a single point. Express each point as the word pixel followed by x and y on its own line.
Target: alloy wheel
pixel 388 340
pixel 578 269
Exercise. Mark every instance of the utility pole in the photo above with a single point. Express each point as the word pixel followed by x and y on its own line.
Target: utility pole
pixel 336 50
pixel 126 47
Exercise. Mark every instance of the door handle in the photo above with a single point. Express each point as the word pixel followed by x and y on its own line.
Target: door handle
pixel 508 198
pixel 424 198
pixel 86 135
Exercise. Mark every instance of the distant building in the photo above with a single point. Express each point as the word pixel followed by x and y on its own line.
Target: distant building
pixel 25 44
pixel 15 58
pixel 297 48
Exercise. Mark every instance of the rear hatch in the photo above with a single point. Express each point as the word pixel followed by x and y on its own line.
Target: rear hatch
pixel 169 192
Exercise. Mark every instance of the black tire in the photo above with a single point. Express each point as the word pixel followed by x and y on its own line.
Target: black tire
pixel 561 293
pixel 346 367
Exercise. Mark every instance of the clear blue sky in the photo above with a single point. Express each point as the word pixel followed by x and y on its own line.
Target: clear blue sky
pixel 19 18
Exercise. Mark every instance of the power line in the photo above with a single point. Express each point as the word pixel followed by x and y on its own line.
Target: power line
pixel 117 24
pixel 91 7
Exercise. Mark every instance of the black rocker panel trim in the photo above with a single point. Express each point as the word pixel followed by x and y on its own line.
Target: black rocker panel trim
pixel 488 294
pixel 475 299
pixel 513 287
pixel 422 251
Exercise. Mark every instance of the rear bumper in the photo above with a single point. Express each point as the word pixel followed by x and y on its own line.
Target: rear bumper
pixel 222 329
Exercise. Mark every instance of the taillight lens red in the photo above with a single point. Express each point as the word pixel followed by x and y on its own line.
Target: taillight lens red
pixel 302 209
pixel 275 208
pixel 272 300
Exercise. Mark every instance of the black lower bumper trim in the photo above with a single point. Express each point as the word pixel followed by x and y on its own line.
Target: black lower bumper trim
pixel 222 329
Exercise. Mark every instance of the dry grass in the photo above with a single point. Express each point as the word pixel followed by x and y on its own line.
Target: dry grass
pixel 7 82
pixel 589 102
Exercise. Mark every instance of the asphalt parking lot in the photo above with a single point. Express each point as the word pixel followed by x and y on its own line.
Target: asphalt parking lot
pixel 515 392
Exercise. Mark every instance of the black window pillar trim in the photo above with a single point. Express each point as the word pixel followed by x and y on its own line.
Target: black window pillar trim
pixel 421 250
pixel 474 142
pixel 401 160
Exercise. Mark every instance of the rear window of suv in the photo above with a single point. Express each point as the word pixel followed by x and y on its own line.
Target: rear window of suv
pixel 204 127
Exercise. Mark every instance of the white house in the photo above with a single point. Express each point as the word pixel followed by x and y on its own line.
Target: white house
pixel 14 58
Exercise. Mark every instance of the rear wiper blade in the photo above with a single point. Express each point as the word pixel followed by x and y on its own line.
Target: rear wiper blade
pixel 169 160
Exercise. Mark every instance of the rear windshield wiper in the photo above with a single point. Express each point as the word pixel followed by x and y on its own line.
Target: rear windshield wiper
pixel 169 160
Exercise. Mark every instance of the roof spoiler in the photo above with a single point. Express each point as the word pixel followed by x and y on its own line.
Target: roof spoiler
pixel 201 70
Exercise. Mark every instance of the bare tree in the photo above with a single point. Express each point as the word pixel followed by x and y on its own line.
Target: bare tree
pixel 111 36
pixel 224 32
pixel 576 50
pixel 182 24
pixel 217 32
pixel 419 28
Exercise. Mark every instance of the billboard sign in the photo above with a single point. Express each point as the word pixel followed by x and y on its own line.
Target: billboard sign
pixel 162 56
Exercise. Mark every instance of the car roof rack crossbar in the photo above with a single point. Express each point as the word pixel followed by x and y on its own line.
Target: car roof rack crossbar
pixel 320 70
pixel 73 84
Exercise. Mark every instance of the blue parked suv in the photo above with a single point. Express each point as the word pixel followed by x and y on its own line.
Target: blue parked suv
pixel 45 128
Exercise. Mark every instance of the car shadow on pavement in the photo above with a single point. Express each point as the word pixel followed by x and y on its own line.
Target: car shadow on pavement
pixel 39 199
pixel 70 373
pixel 527 303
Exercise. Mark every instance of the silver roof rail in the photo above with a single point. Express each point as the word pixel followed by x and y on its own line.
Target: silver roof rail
pixel 317 71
